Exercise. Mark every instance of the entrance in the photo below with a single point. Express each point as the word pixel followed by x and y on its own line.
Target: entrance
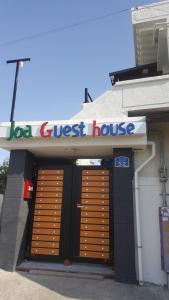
pixel 71 217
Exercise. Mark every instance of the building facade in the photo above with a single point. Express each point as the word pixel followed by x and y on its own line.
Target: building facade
pixel 55 210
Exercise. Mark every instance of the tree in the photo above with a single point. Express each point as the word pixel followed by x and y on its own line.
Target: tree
pixel 3 175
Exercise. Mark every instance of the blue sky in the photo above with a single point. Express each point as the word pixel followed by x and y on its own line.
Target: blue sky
pixel 51 86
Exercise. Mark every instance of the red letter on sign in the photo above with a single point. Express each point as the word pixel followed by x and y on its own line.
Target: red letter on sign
pixel 48 131
pixel 96 128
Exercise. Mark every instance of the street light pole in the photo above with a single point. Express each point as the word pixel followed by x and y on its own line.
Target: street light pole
pixel 17 62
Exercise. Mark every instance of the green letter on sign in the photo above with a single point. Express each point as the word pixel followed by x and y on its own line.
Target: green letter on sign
pixel 19 132
pixel 27 131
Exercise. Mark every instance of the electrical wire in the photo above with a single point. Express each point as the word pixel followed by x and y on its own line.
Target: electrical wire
pixel 62 28
pixel 69 26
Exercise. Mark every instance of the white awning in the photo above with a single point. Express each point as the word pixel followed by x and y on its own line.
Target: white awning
pixel 74 138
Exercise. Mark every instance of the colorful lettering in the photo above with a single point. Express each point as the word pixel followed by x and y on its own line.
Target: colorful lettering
pixel 44 133
pixel 19 132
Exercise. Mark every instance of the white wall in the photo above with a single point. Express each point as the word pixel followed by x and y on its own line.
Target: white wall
pixel 150 201
pixel 145 93
pixel 132 95
pixel 108 105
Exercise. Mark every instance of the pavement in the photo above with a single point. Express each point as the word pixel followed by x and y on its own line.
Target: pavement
pixel 27 286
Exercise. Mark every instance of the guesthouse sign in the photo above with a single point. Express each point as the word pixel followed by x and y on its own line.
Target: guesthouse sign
pixel 78 129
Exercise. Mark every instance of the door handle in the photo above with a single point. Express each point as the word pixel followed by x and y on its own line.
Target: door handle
pixel 79 205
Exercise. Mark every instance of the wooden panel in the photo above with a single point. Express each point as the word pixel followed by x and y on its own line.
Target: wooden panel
pixel 48 194
pixel 50 177
pixel 49 183
pixel 94 221
pixel 46 225
pixel 97 241
pixel 49 200
pixel 95 189
pixel 42 237
pixel 94 227
pixel 45 251
pixel 95 196
pixel 50 212
pixel 50 172
pixel 47 213
pixel 95 178
pixel 95 183
pixel 45 244
pixel 98 248
pixel 90 254
pixel 95 172
pixel 48 206
pixel 95 201
pixel 95 208
pixel 46 231
pixel 49 189
pixel 92 214
pixel 96 234
pixel 47 219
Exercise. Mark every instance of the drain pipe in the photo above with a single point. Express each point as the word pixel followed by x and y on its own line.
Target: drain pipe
pixel 137 212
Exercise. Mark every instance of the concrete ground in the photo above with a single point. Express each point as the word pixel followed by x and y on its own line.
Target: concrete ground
pixel 25 286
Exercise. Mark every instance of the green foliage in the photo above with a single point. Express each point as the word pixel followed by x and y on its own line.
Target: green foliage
pixel 3 175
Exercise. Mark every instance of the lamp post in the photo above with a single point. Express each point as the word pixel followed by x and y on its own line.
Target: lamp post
pixel 18 63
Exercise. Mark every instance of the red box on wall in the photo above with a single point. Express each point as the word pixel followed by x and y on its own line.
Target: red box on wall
pixel 28 188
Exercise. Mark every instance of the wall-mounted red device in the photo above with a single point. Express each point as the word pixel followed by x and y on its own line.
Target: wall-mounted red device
pixel 28 189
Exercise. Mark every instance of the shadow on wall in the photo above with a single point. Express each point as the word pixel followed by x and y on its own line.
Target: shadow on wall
pixel 1 201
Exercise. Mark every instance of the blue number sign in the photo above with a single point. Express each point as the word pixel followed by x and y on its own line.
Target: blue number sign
pixel 122 162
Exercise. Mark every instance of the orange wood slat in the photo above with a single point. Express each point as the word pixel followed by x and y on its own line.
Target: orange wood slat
pixel 94 214
pixel 94 196
pixel 45 237
pixel 95 234
pixel 94 241
pixel 45 244
pixel 95 190
pixel 50 177
pixel 95 221
pixel 95 172
pixel 97 255
pixel 49 194
pixel 95 183
pixel 98 248
pixel 46 231
pixel 95 208
pixel 94 227
pixel 46 225
pixel 49 200
pixel 48 206
pixel 47 219
pixel 49 189
pixel 50 212
pixel 95 201
pixel 50 172
pixel 44 251
pixel 95 178
pixel 49 183
pixel 47 214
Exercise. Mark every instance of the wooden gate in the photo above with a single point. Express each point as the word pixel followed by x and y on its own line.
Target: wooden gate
pixel 72 214
pixel 93 212
pixel 47 213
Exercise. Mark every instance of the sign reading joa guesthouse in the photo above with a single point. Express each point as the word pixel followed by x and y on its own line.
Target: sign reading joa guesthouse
pixel 80 129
